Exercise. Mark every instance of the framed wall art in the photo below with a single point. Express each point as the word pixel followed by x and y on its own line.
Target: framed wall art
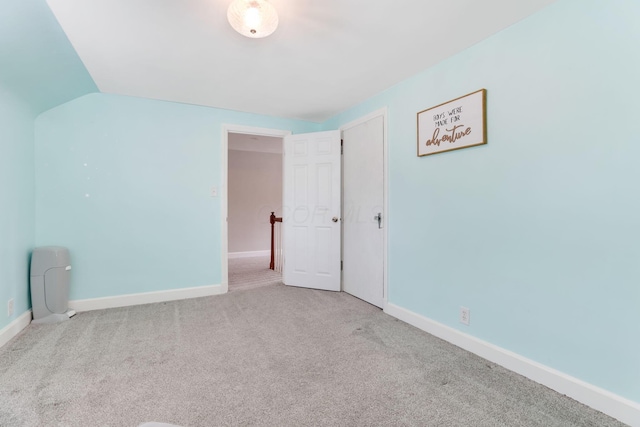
pixel 456 124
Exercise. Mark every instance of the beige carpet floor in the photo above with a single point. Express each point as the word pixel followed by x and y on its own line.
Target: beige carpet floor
pixel 270 356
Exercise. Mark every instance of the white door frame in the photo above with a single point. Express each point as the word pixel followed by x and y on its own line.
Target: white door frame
pixel 385 148
pixel 224 194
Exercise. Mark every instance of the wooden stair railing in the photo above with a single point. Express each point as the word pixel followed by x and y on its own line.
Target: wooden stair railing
pixel 272 220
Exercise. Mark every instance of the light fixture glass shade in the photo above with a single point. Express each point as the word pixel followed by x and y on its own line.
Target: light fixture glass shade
pixel 253 18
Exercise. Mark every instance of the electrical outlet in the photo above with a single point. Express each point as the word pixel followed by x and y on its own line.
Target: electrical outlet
pixel 465 316
pixel 10 308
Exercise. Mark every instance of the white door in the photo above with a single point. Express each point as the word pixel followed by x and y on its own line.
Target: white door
pixel 311 211
pixel 363 213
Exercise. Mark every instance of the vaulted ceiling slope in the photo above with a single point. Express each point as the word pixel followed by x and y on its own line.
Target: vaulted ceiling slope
pixel 37 62
pixel 325 57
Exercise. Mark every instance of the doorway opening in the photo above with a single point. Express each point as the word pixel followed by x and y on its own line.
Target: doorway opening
pixel 365 136
pixel 253 181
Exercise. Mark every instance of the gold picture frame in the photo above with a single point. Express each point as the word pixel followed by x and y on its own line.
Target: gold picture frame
pixel 453 125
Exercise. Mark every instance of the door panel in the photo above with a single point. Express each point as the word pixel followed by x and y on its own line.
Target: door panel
pixel 311 201
pixel 363 245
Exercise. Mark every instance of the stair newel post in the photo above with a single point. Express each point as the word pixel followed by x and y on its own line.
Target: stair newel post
pixel 272 220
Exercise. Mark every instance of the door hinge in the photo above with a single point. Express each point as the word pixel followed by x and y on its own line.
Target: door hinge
pixel 341 265
pixel 342 146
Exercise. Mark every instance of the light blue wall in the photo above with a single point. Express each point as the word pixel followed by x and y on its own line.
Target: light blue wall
pixel 125 184
pixel 37 62
pixel 536 232
pixel 38 70
pixel 16 203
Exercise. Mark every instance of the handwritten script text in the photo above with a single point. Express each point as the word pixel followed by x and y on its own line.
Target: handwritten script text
pixel 451 136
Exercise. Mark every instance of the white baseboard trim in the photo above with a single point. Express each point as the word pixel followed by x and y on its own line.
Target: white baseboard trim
pixel 15 327
pixel 249 254
pixel 602 400
pixel 145 298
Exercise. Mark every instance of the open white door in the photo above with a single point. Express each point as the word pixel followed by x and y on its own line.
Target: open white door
pixel 311 212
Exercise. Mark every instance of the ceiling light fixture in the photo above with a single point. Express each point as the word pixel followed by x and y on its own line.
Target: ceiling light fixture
pixel 253 18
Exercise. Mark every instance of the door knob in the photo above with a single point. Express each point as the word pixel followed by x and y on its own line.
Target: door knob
pixel 379 219
pixel 334 219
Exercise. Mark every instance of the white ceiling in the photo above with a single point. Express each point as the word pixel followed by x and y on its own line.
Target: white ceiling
pixel 326 55
pixel 259 143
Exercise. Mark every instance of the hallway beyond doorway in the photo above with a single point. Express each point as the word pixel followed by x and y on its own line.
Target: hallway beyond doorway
pixel 250 273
